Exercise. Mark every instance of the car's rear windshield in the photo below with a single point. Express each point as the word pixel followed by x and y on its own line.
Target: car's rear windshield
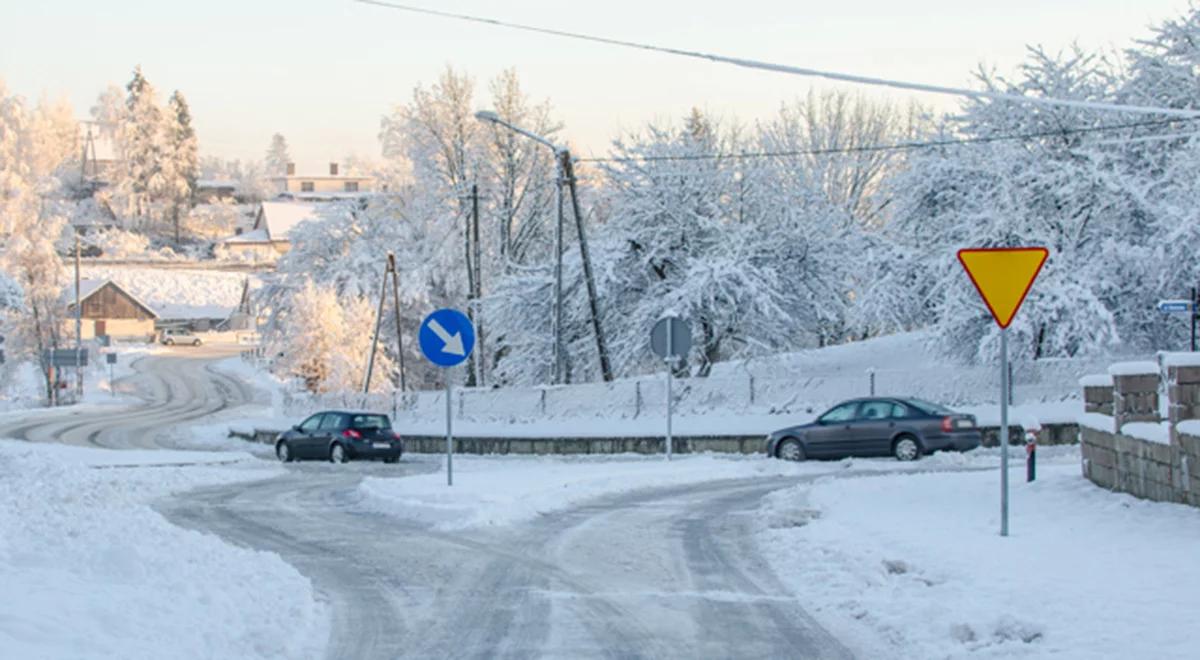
pixel 928 408
pixel 370 422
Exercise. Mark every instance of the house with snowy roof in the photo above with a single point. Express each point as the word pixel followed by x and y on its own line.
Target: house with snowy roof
pixel 108 309
pixel 268 238
pixel 322 187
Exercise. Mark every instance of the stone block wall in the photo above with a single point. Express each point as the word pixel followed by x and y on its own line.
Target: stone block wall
pixel 1146 469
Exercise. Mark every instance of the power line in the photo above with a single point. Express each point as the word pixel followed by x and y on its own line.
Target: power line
pixel 799 71
pixel 899 146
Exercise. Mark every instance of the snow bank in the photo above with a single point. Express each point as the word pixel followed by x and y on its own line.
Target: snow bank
pixel 1180 359
pixel 1189 427
pixel 88 569
pixel 1097 422
pixel 1096 380
pixel 1159 432
pixel 897 567
pixel 506 490
pixel 1133 369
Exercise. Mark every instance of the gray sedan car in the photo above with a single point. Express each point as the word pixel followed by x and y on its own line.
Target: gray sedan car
pixel 901 427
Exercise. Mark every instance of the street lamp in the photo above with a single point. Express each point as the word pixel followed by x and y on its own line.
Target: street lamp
pixel 491 117
pixel 566 172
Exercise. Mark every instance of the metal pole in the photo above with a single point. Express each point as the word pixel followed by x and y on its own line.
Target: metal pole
pixel 396 304
pixel 1195 312
pixel 558 282
pixel 112 389
pixel 449 435
pixel 478 293
pixel 670 377
pixel 375 336
pixel 78 328
pixel 1004 432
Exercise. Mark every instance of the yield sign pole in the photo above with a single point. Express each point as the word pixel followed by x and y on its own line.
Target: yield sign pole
pixel 1003 278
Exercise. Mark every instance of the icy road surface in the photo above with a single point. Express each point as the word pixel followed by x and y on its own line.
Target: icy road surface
pixel 667 573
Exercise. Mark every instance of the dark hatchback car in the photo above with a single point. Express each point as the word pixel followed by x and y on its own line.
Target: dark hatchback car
pixel 339 436
pixel 901 427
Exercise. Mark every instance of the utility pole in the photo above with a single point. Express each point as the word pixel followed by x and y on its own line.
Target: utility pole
pixel 480 355
pixel 601 343
pixel 78 328
pixel 558 280
pixel 375 337
pixel 470 252
pixel 396 303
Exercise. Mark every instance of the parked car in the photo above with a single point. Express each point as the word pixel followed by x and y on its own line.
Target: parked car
pixel 902 427
pixel 339 436
pixel 173 336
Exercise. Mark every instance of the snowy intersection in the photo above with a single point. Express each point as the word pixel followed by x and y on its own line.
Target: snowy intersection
pixel 891 559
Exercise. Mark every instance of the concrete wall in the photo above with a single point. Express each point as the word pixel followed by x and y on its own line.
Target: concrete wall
pixel 1150 470
pixel 1156 471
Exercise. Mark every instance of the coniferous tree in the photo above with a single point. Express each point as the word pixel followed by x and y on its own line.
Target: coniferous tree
pixel 183 167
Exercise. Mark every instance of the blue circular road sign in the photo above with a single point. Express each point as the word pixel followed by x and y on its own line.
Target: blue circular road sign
pixel 447 337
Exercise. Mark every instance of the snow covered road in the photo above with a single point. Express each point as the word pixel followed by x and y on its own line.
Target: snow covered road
pixel 661 573
pixel 175 386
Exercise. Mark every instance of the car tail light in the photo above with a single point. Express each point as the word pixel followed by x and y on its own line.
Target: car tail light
pixel 352 434
pixel 395 436
pixel 947 424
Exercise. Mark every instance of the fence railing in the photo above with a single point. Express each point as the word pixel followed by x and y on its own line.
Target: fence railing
pixel 728 393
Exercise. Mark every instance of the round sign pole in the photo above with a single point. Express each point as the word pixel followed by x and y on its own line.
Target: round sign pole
pixel 670 377
pixel 447 338
pixel 449 435
pixel 1004 432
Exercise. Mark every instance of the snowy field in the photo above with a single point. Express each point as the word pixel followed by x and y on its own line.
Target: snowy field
pixel 89 569
pixel 915 563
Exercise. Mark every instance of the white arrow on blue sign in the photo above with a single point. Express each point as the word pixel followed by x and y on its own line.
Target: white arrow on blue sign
pixel 1175 306
pixel 447 337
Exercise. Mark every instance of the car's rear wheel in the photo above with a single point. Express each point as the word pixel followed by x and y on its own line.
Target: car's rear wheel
pixel 791 450
pixel 906 448
pixel 283 451
pixel 394 459
pixel 196 343
pixel 337 453
pixel 169 342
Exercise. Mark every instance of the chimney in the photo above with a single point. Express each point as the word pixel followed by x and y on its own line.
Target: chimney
pixel 333 169
pixel 291 169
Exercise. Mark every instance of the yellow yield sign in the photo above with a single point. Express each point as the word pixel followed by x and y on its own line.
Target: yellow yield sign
pixel 1003 277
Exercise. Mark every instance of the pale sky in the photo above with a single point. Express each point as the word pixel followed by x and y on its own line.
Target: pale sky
pixel 323 72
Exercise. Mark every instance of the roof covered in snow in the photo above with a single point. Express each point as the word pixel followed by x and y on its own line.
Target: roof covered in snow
pixel 279 218
pixel 89 287
pixel 255 236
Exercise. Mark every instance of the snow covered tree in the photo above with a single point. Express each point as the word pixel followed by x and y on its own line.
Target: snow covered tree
pixel 278 156
pixel 323 342
pixel 145 149
pixel 182 166
pixel 30 259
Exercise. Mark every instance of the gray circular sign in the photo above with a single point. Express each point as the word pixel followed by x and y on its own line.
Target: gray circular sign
pixel 671 338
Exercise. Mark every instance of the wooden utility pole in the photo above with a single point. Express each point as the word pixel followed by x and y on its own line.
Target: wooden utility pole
pixel 568 169
pixel 375 337
pixel 396 303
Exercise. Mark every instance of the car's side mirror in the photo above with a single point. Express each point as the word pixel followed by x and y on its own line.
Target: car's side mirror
pixel 296 427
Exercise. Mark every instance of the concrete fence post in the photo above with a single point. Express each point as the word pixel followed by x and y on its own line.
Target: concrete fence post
pixel 1135 392
pixel 1183 390
pixel 1097 394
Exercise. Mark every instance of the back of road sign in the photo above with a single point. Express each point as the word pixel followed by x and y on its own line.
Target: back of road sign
pixel 447 337
pixel 1003 277
pixel 680 334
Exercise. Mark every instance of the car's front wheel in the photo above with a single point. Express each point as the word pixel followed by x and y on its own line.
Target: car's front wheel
pixel 169 342
pixel 196 343
pixel 337 453
pixel 283 451
pixel 906 448
pixel 791 450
